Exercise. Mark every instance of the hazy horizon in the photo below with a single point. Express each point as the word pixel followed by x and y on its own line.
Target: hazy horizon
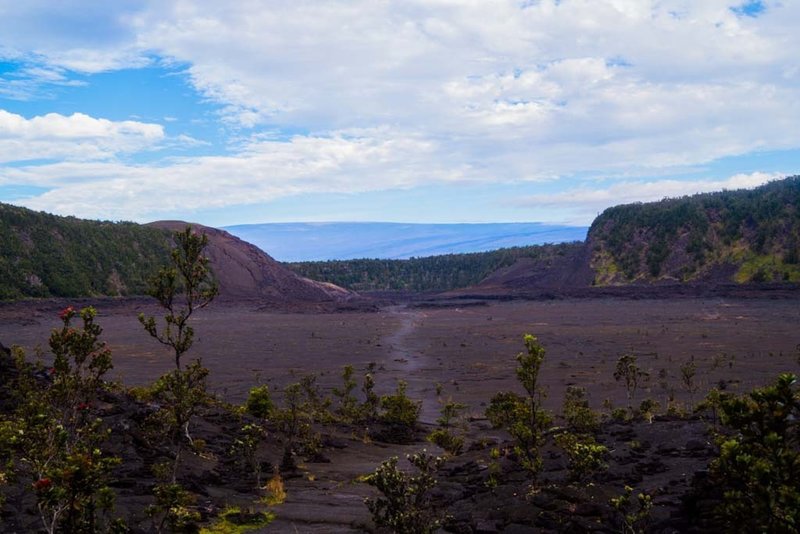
pixel 387 240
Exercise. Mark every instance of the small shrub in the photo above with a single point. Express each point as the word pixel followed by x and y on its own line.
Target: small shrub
pixel 182 394
pixel 259 402
pixel 450 411
pixel 452 444
pixel 713 404
pixel 400 413
pixel 632 517
pixel 59 439
pixel 586 456
pixel 233 520
pixel 348 409
pixel 182 288
pixel 369 409
pixel 577 413
pixel 294 422
pixel 245 449
pixel 404 506
pixel 501 408
pixel 648 409
pixel 688 372
pixel 315 404
pixel 173 509
pixel 620 415
pixel 629 372
pixel 522 416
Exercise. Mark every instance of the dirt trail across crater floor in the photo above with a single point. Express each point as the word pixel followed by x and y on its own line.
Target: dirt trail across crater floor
pixel 408 362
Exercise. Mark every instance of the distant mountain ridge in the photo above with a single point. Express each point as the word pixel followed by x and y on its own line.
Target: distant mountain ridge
pixel 295 242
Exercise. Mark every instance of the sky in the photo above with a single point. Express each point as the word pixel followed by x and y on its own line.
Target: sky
pixel 258 111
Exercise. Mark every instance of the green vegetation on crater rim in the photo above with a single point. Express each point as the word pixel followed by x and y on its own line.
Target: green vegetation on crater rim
pixel 45 255
pixel 756 232
pixel 731 236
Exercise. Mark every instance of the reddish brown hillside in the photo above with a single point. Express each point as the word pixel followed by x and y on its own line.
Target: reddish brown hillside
pixel 246 272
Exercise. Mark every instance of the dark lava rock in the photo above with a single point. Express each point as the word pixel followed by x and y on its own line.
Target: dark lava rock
pixel 696 445
pixel 516 528
pixel 485 526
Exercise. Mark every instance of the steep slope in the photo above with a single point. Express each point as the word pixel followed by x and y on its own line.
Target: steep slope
pixel 742 236
pixel 561 267
pixel 246 272
pixel 43 255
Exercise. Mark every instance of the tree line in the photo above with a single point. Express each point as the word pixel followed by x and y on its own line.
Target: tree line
pixel 432 273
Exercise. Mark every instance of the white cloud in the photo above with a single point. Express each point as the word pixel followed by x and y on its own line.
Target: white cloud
pixel 583 203
pixel 80 35
pixel 77 137
pixel 401 94
pixel 565 87
pixel 261 172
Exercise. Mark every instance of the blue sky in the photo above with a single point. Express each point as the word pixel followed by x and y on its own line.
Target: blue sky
pixel 414 111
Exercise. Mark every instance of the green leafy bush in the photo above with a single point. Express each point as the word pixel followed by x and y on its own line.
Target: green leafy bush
pixel 259 402
pixel 632 517
pixel 577 413
pixel 404 506
pixel 759 465
pixel 173 510
pixel 450 413
pixel 348 409
pixel 59 440
pixel 245 449
pixel 586 456
pixel 688 374
pixel 452 443
pixel 648 409
pixel 400 413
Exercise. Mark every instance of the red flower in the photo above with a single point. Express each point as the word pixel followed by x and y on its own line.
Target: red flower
pixel 66 313
pixel 84 406
pixel 43 484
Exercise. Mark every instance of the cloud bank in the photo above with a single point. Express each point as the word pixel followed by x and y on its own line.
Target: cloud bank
pixel 407 94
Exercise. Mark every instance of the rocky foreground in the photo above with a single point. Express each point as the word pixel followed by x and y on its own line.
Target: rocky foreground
pixel 322 486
